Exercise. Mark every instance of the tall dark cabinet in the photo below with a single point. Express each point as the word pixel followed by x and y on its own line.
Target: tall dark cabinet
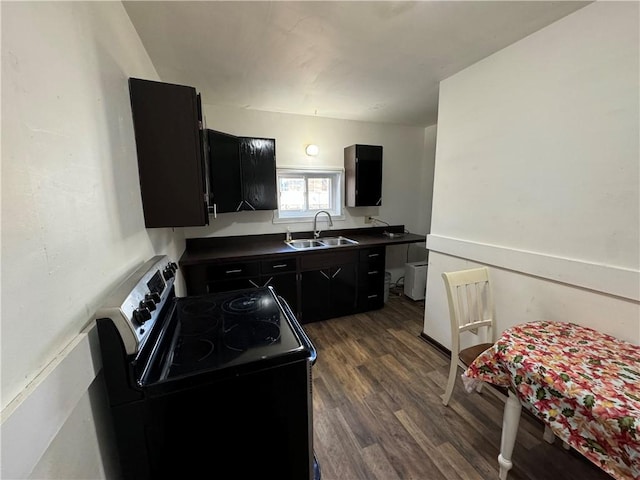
pixel 242 172
pixel 363 172
pixel 170 145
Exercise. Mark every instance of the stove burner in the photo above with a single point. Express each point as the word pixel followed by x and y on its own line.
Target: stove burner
pixel 193 351
pixel 198 316
pixel 244 335
pixel 243 304
pixel 251 306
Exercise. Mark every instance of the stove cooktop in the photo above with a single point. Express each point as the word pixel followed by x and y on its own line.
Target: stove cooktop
pixel 220 330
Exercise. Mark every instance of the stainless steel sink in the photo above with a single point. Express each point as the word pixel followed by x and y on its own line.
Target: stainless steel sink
pixel 326 242
pixel 337 241
pixel 304 244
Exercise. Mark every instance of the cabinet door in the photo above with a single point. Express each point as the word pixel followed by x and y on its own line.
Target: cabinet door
pixel 368 175
pixel 342 298
pixel 286 286
pixel 167 126
pixel 363 173
pixel 315 295
pixel 258 165
pixel 224 171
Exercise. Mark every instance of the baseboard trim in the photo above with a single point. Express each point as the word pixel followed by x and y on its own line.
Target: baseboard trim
pixel 435 344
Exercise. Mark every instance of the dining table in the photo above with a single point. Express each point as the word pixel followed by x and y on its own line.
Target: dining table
pixel 582 383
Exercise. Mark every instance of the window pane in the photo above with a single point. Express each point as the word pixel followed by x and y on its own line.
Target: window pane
pixel 319 193
pixel 302 193
pixel 292 195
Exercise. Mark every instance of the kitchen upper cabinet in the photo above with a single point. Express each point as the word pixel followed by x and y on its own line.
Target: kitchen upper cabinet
pixel 242 172
pixel 170 145
pixel 363 169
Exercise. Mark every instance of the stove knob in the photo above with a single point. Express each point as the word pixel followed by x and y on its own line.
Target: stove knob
pixel 174 266
pixel 141 315
pixel 167 273
pixel 152 296
pixel 148 303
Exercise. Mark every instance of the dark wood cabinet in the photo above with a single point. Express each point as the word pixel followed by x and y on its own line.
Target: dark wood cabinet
pixel 258 165
pixel 363 172
pixel 242 172
pixel 225 175
pixel 328 285
pixel 280 273
pixel 167 121
pixel 371 279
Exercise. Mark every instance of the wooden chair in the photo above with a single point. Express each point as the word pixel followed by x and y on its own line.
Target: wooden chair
pixel 471 311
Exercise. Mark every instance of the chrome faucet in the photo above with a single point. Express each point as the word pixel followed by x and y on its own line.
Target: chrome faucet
pixel 316 232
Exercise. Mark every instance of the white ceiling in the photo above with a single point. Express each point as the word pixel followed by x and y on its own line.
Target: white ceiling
pixel 378 61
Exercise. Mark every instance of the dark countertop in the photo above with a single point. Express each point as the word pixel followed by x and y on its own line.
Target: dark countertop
pixel 254 247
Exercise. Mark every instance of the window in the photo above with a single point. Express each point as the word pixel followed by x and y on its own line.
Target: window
pixel 303 193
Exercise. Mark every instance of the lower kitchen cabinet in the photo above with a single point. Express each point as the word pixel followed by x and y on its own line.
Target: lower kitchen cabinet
pixel 371 279
pixel 316 285
pixel 282 275
pixel 328 285
pixel 223 277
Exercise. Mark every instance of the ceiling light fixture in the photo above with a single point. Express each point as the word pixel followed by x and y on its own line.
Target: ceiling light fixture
pixel 312 150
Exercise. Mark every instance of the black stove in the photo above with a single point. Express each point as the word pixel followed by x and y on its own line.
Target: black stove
pixel 196 382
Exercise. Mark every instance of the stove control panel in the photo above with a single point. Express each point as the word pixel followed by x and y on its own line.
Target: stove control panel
pixel 135 305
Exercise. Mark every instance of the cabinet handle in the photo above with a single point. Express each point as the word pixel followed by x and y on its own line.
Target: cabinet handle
pixel 336 272
pixel 215 210
pixel 373 272
pixel 250 206
pixel 239 205
pixel 254 284
pixel 324 274
pixel 237 270
pixel 268 282
pixel 379 202
pixel 282 265
pixel 371 255
pixel 372 296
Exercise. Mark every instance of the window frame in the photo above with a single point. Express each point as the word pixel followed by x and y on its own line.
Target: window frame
pixel 337 194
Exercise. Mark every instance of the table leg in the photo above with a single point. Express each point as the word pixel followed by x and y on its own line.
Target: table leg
pixel 510 421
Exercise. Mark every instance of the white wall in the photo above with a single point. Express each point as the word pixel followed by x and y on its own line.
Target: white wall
pixel 408 156
pixel 537 175
pixel 72 223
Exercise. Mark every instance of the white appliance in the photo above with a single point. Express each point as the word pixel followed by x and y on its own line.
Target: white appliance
pixel 415 280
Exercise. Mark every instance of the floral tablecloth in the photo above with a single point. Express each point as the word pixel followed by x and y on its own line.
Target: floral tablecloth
pixel 582 383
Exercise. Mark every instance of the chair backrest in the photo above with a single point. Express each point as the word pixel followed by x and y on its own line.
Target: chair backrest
pixel 470 304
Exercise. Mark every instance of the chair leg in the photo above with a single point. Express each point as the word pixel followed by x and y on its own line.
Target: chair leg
pixel 453 371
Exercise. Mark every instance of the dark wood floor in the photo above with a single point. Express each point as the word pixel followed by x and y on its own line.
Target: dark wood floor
pixel 378 412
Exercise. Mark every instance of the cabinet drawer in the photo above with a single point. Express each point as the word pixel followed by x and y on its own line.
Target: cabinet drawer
pixel 370 276
pixel 314 261
pixel 373 255
pixel 232 270
pixel 279 265
pixel 370 301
